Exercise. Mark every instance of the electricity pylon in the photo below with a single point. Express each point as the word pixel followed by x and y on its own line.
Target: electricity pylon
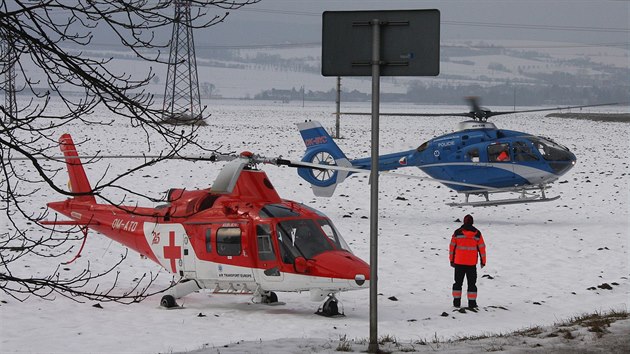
pixel 182 103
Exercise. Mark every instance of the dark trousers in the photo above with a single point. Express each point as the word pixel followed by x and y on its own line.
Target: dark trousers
pixel 470 272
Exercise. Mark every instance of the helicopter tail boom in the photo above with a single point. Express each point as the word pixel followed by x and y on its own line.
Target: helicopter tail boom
pixel 78 180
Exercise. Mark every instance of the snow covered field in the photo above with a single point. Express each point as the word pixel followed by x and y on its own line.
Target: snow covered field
pixel 545 260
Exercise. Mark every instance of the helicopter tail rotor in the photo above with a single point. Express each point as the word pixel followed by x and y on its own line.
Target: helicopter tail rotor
pixel 321 150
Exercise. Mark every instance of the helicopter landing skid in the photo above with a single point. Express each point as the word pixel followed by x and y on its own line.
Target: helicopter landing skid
pixel 504 201
pixel 523 198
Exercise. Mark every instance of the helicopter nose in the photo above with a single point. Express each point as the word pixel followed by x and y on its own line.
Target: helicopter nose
pixel 563 162
pixel 342 266
pixel 560 168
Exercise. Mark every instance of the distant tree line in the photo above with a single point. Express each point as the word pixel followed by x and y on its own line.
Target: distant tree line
pixel 497 95
pixel 522 95
pixel 296 95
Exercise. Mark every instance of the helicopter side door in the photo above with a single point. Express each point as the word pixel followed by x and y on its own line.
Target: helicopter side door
pixel 269 268
pixel 233 249
pixel 475 168
pixel 199 252
pixel 528 162
pixel 524 153
pixel 189 259
pixel 501 160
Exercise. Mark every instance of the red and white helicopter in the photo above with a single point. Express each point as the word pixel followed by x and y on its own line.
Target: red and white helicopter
pixel 238 236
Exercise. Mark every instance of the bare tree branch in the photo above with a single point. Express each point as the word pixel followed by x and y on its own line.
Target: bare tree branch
pixel 49 42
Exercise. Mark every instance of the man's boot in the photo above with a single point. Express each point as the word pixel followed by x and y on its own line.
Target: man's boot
pixel 457 302
pixel 472 304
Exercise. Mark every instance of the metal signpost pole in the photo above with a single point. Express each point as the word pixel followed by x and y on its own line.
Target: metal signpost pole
pixel 376 80
pixel 338 103
pixel 402 43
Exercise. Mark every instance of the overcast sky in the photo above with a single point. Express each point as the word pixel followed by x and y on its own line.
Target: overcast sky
pixel 299 21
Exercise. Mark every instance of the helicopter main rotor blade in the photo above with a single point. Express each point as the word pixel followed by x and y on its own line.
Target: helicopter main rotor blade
pixel 212 157
pixel 474 114
pixel 491 113
pixel 88 157
pixel 409 114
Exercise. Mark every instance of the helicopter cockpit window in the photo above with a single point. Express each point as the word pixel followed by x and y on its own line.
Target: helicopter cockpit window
pixel 265 246
pixel 499 152
pixel 423 147
pixel 333 234
pixel 551 151
pixel 288 251
pixel 473 155
pixel 329 229
pixel 229 241
pixel 277 211
pixel 301 237
pixel 522 152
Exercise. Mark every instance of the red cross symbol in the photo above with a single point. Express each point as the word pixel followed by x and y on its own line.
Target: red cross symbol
pixel 171 251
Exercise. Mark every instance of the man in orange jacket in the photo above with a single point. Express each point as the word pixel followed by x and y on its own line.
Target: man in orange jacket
pixel 466 243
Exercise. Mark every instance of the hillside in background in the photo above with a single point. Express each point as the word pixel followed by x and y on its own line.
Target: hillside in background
pixel 535 72
pixel 505 72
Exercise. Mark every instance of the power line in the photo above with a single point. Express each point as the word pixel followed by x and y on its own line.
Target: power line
pixel 538 27
pixel 262 46
pixel 283 12
pixel 467 23
pixel 318 44
pixel 586 45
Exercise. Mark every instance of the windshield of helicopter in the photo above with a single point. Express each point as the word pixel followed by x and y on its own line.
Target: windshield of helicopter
pixel 306 238
pixel 329 229
pixel 550 150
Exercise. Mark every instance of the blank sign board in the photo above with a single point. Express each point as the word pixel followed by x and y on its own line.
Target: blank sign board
pixel 409 42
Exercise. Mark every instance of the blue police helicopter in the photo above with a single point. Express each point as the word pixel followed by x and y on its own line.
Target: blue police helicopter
pixel 477 159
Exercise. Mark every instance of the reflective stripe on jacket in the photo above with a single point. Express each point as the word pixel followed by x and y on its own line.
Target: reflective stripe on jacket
pixel 466 243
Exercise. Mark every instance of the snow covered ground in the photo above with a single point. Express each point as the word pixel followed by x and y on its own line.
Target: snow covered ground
pixel 545 260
